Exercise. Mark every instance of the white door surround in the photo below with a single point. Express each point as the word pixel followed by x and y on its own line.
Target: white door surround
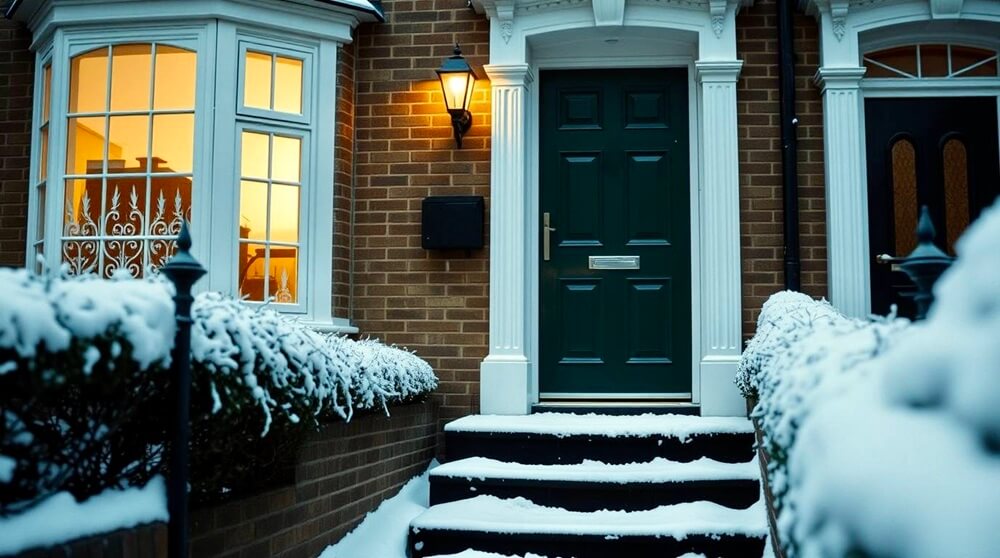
pixel 529 36
pixel 848 28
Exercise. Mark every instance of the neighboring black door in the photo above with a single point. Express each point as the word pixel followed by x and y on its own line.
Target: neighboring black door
pixel 614 182
pixel 938 152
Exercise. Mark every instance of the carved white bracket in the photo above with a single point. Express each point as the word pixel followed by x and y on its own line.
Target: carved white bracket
pixel 505 14
pixel 838 17
pixel 946 8
pixel 609 12
pixel 717 8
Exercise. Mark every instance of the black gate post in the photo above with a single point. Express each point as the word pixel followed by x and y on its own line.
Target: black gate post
pixel 183 271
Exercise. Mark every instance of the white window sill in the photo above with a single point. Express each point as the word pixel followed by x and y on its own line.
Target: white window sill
pixel 333 325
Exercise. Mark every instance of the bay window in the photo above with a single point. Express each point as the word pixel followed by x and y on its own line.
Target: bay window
pixel 174 115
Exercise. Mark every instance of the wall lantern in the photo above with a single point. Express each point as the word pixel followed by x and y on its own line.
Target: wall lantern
pixel 457 82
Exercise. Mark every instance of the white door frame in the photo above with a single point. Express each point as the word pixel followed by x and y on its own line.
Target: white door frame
pixel 509 374
pixel 847 29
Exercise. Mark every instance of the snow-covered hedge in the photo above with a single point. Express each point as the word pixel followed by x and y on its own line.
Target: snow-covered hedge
pixel 84 386
pixel 885 435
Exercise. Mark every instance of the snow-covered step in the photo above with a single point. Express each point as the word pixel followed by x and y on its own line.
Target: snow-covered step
pixel 554 438
pixel 518 526
pixel 593 485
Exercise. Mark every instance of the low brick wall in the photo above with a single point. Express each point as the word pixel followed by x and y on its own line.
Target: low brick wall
pixel 343 472
pixel 763 458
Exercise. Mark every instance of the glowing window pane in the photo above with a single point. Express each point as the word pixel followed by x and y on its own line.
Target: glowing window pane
pixel 257 80
pixel 130 74
pixel 174 87
pixel 173 142
pixel 282 274
pixel 46 92
pixel 85 145
pixel 170 204
pixel 252 276
pixel 288 85
pixel 956 190
pixel 43 154
pixel 285 158
pixel 284 213
pixel 128 138
pixel 253 210
pixel 81 207
pixel 254 156
pixel 904 196
pixel 88 82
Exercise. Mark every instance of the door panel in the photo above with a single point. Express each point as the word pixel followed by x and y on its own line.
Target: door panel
pixel 938 152
pixel 614 179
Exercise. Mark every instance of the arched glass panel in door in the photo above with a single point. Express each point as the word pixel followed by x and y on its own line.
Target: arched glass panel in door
pixel 956 190
pixel 904 196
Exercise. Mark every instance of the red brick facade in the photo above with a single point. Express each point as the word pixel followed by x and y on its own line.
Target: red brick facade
pixel 761 216
pixel 434 302
pixel 17 66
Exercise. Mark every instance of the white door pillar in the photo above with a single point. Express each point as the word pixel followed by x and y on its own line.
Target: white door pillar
pixel 721 312
pixel 846 190
pixel 505 379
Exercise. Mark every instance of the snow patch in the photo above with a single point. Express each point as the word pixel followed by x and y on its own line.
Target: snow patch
pixel 60 518
pixel 565 424
pixel 517 515
pixel 658 470
pixel 383 532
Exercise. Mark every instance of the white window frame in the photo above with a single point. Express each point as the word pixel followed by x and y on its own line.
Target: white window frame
pixel 306 195
pixel 277 49
pixel 217 39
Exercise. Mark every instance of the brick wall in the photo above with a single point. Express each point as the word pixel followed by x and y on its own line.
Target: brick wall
pixel 343 187
pixel 343 472
pixel 16 83
pixel 760 158
pixel 432 302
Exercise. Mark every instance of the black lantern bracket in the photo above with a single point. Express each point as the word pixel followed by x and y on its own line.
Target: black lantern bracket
pixel 461 121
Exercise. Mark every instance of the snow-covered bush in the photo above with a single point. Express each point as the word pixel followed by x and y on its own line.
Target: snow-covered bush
pixel 84 386
pixel 80 363
pixel 887 434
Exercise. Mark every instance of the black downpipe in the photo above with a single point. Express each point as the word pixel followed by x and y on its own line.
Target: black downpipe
pixel 789 144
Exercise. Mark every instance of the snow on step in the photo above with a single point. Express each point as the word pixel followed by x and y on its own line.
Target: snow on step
pixel 517 515
pixel 659 470
pixel 639 426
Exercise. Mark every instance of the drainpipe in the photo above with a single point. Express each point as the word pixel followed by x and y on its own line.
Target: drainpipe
pixel 789 144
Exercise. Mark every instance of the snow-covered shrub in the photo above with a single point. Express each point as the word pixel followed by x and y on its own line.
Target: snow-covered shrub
pixel 907 464
pixel 888 434
pixel 81 362
pixel 84 386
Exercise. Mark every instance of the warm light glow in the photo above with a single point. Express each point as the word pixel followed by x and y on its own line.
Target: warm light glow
pixel 457 90
pixel 132 219
pixel 270 166
pixel 284 94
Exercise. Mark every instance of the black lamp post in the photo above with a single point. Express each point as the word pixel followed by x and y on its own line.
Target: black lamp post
pixel 458 79
pixel 183 271
pixel 925 264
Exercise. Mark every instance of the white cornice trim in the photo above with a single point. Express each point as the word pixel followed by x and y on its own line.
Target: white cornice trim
pixel 707 71
pixel 509 74
pixel 839 78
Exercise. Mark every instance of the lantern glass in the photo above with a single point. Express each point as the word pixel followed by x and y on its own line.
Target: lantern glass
pixel 457 88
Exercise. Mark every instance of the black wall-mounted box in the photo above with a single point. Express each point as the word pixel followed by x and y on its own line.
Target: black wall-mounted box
pixel 452 222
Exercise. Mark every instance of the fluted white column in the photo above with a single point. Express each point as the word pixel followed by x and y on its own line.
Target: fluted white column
pixel 846 190
pixel 504 374
pixel 721 293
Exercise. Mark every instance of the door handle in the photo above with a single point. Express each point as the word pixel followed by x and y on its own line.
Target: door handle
pixel 547 236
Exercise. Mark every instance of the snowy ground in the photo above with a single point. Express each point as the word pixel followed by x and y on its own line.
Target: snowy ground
pixel 61 518
pixel 383 532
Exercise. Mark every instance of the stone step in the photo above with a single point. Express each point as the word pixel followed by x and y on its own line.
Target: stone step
pixel 518 526
pixel 561 438
pixel 593 485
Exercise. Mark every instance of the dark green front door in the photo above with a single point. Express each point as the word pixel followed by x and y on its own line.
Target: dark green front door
pixel 615 291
